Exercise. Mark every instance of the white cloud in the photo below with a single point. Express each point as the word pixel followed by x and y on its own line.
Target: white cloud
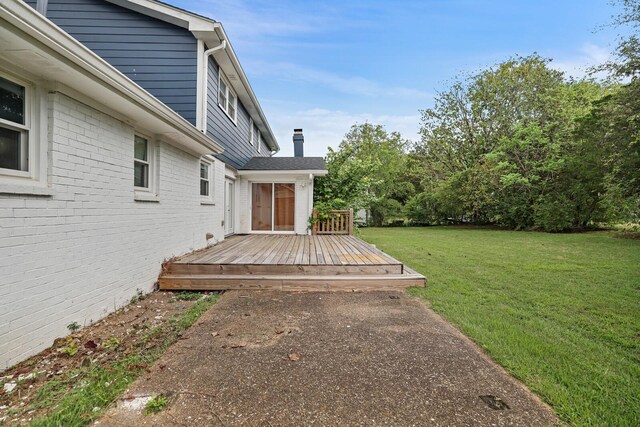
pixel 578 65
pixel 326 128
pixel 353 85
pixel 250 24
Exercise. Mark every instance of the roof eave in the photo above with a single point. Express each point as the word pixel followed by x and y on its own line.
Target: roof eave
pixel 314 172
pixel 227 59
pixel 62 48
pixel 212 33
pixel 168 13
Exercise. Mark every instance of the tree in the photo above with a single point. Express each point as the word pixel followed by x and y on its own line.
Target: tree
pixel 518 144
pixel 364 173
pixel 499 147
pixel 614 123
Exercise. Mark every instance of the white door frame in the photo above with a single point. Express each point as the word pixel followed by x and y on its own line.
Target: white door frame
pixel 229 206
pixel 272 182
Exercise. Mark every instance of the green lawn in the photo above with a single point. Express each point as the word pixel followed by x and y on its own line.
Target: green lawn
pixel 561 312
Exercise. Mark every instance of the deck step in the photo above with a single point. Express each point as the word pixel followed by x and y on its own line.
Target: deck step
pixel 283 269
pixel 291 282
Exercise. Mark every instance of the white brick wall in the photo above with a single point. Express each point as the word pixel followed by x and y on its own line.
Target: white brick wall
pixel 83 252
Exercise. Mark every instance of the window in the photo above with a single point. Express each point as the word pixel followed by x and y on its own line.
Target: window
pixel 227 99
pixel 273 206
pixel 258 139
pixel 141 162
pixel 204 179
pixel 254 135
pixel 23 134
pixel 251 133
pixel 206 182
pixel 145 169
pixel 14 129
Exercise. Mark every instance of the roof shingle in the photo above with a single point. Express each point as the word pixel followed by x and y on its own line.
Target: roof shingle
pixel 285 163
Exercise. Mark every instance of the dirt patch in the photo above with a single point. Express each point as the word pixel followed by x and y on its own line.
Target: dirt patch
pixel 29 389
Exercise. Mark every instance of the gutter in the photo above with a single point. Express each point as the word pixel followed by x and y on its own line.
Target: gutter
pixel 258 172
pixel 209 52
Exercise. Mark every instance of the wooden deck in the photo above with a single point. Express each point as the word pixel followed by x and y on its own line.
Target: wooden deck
pixel 289 262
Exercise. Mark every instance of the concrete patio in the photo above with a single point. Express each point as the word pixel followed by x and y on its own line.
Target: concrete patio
pixel 376 358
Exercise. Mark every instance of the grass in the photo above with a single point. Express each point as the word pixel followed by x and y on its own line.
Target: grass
pixel 82 396
pixel 561 312
pixel 157 403
pixel 188 295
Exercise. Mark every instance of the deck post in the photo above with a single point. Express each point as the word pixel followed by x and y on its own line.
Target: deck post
pixel 314 225
pixel 350 221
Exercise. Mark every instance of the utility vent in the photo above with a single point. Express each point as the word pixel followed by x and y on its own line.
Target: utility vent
pixel 232 77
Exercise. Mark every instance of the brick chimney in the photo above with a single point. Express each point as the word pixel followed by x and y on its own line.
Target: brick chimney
pixel 298 143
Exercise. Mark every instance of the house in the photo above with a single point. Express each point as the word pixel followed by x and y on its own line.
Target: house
pixel 129 133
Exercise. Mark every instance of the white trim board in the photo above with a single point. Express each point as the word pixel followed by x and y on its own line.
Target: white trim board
pixel 285 172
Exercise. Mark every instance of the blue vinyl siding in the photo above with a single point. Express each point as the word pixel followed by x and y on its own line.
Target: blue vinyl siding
pixel 234 138
pixel 32 3
pixel 160 57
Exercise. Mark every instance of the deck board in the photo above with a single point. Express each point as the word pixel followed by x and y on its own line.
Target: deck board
pixel 289 249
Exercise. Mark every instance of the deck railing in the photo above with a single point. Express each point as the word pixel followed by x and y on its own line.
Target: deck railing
pixel 333 222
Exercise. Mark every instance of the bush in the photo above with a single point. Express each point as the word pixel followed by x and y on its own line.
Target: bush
pixel 421 209
pixel 553 213
pixel 384 211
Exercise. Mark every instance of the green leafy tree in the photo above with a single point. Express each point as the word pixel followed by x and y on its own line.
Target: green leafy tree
pixel 364 173
pixel 500 147
pixel 614 123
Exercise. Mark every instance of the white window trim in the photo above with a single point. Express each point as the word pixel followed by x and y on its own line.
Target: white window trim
pixel 225 108
pixel 150 193
pixel 259 141
pixel 33 181
pixel 207 200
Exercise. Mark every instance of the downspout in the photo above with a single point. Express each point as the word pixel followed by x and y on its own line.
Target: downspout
pixel 41 7
pixel 208 52
pixel 205 74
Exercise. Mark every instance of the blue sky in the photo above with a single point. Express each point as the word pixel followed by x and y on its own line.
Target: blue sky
pixel 325 65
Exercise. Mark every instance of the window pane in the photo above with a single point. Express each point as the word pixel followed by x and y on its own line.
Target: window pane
pixel 256 135
pixel 204 187
pixel 222 95
pixel 11 101
pixel 223 101
pixel 232 106
pixel 261 207
pixel 10 150
pixel 141 175
pixel 140 148
pixel 204 170
pixel 285 207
